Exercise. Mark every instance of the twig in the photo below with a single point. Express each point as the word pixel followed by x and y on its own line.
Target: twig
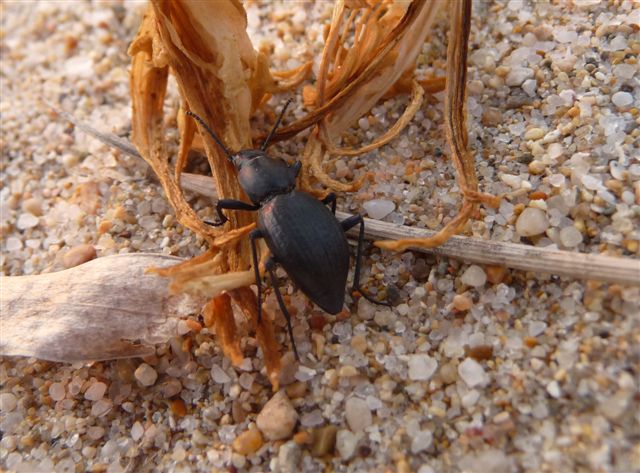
pixel 474 250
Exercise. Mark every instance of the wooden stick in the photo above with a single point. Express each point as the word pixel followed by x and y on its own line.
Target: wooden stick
pixel 474 250
pixel 512 255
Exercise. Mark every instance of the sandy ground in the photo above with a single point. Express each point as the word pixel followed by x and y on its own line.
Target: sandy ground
pixel 474 368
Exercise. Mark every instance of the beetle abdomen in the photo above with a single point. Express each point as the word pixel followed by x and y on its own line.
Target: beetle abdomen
pixel 308 242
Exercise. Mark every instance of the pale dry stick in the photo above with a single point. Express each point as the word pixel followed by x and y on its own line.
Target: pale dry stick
pixel 474 250
pixel 477 250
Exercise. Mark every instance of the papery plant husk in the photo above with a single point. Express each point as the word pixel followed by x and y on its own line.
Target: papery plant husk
pixel 223 79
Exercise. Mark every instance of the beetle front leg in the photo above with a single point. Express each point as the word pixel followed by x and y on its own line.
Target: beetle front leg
pixel 230 204
pixel 346 225
pixel 270 267
pixel 330 199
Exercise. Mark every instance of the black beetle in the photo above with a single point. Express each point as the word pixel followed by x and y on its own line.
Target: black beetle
pixel 303 235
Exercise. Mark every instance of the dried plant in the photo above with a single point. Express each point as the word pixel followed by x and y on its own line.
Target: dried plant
pixel 370 51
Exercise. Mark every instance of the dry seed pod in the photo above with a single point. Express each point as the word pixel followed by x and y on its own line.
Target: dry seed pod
pixel 105 309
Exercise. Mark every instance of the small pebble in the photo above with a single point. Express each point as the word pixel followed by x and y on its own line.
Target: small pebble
pixel 553 388
pixel 78 255
pixel 324 440
pixel 421 367
pixel 289 456
pixel 278 418
pixel 421 441
pixel 622 99
pixel 137 431
pixel 95 392
pixel 570 237
pixel 474 276
pixel 8 402
pixel 146 375
pixel 518 75
pixel 248 442
pixel 379 208
pixel 219 376
pixel 57 391
pixel 472 373
pixel 532 222
pixel 33 206
pixel 346 443
pixel 26 221
pixel 357 414
pixel 534 134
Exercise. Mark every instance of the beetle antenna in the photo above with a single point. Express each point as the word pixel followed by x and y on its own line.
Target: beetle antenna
pixel 275 127
pixel 210 131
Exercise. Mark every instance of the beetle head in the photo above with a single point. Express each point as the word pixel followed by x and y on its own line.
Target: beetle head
pixel 262 176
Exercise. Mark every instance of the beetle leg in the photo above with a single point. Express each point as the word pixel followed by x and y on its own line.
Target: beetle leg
pixel 253 236
pixel 346 225
pixel 331 199
pixel 274 282
pixel 230 204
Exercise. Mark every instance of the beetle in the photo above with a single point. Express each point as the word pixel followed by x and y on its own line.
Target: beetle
pixel 302 234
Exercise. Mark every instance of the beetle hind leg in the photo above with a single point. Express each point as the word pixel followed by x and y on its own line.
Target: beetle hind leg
pixel 270 267
pixel 346 225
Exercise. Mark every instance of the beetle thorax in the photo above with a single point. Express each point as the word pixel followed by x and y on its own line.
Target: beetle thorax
pixel 262 177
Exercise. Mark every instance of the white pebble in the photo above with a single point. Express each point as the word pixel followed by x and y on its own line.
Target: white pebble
pixel 622 99
pixel 137 431
pixel 8 402
pixel 529 87
pixel 553 388
pixel 27 220
pixel 358 414
pixel 421 367
pixel 346 443
pixel 556 180
pixel 570 236
pixel 57 391
pixel 532 222
pixel 146 375
pixel 511 180
pixel 421 441
pixel 13 244
pixel 518 75
pixel 219 376
pixel 277 418
pixel 555 150
pixel 536 328
pixel 619 43
pixel 472 373
pixel 562 35
pixel 101 407
pixel 474 276
pixel 379 208
pixel 624 71
pixel 95 392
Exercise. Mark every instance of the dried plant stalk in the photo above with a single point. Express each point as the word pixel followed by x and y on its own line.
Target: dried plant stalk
pixel 387 40
pixel 222 79
pixel 456 132
pixel 105 309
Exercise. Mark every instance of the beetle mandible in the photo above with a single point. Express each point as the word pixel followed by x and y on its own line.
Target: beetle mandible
pixel 302 234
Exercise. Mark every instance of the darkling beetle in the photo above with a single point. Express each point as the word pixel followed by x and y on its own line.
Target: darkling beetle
pixel 303 235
